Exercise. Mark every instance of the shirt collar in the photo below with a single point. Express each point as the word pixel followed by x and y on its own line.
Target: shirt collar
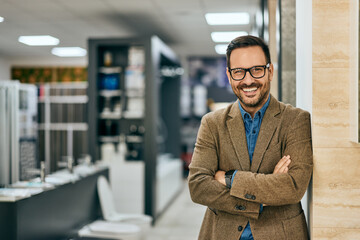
pixel 261 112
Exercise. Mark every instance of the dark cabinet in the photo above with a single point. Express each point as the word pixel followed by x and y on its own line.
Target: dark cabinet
pixel 134 99
pixel 57 213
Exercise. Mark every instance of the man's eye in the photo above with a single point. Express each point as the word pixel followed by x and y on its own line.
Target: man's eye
pixel 238 71
pixel 257 69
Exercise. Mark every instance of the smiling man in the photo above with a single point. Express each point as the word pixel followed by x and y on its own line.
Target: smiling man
pixel 252 161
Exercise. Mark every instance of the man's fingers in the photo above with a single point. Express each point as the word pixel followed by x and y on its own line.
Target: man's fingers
pixel 284 160
pixel 282 165
pixel 285 166
pixel 281 162
pixel 284 169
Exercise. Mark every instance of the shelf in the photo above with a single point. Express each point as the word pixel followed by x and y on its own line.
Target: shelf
pixel 69 85
pixel 64 126
pixel 135 92
pixel 109 70
pixel 65 99
pixel 110 93
pixel 133 115
pixel 134 139
pixel 109 139
pixel 110 115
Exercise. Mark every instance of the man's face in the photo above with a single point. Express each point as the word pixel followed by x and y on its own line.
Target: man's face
pixel 251 92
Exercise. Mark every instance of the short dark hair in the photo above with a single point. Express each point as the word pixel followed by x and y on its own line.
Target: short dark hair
pixel 247 41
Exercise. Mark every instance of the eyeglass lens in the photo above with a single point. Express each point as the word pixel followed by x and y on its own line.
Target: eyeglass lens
pixel 256 72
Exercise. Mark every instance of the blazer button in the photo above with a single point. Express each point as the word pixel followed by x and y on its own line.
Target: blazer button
pixel 249 196
pixel 240 228
pixel 242 208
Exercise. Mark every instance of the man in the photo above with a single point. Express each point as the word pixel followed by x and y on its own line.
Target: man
pixel 252 161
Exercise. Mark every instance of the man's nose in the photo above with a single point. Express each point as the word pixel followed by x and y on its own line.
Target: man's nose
pixel 248 79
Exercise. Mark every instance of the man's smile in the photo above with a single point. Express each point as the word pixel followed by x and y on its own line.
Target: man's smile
pixel 250 91
pixel 253 89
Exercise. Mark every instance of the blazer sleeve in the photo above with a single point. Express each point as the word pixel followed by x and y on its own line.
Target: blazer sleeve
pixel 281 189
pixel 204 189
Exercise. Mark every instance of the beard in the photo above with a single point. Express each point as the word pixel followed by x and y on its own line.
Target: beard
pixel 257 100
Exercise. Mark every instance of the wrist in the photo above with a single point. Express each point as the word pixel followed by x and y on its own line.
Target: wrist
pixel 228 178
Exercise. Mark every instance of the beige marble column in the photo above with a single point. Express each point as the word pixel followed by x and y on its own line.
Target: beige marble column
pixel 335 209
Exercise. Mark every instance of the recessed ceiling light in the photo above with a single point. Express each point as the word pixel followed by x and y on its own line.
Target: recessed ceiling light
pixel 69 51
pixel 226 36
pixel 1 19
pixel 41 40
pixel 240 18
pixel 221 48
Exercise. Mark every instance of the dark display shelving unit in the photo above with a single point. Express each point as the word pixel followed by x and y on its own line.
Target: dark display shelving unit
pixel 134 98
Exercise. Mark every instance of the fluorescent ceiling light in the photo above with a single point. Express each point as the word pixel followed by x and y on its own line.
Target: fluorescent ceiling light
pixel 69 51
pixel 240 18
pixel 221 48
pixel 226 36
pixel 41 40
pixel 1 19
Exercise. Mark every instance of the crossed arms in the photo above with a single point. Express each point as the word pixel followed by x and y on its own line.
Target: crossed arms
pixel 286 184
pixel 281 167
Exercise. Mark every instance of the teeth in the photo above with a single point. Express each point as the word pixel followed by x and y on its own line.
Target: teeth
pixel 249 89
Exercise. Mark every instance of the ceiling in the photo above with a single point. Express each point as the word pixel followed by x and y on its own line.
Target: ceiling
pixel 179 23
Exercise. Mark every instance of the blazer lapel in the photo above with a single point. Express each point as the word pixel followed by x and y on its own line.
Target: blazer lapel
pixel 236 128
pixel 268 126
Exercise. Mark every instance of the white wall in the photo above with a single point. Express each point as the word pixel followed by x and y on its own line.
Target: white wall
pixel 304 73
pixel 4 69
pixel 304 54
pixel 48 61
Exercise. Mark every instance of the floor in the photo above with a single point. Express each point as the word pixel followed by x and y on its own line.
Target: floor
pixel 181 221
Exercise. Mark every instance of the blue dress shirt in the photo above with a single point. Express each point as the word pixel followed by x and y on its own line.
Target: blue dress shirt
pixel 252 128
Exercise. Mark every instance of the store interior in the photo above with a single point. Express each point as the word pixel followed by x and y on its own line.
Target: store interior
pixel 125 103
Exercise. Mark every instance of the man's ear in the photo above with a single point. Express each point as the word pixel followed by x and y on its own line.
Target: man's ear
pixel 228 75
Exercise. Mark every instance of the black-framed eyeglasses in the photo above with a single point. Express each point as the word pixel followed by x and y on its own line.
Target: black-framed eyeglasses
pixel 239 74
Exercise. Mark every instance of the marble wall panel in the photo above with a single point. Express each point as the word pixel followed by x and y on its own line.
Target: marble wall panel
pixel 331 34
pixel 337 168
pixel 336 188
pixel 336 233
pixel 330 116
pixel 335 204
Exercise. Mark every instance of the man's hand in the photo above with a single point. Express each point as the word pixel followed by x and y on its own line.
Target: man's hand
pixel 283 165
pixel 220 177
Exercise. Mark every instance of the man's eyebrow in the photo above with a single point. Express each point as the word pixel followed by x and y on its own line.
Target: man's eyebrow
pixel 249 67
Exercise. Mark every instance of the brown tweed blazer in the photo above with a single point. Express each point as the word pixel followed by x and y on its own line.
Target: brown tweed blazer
pixel 221 145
